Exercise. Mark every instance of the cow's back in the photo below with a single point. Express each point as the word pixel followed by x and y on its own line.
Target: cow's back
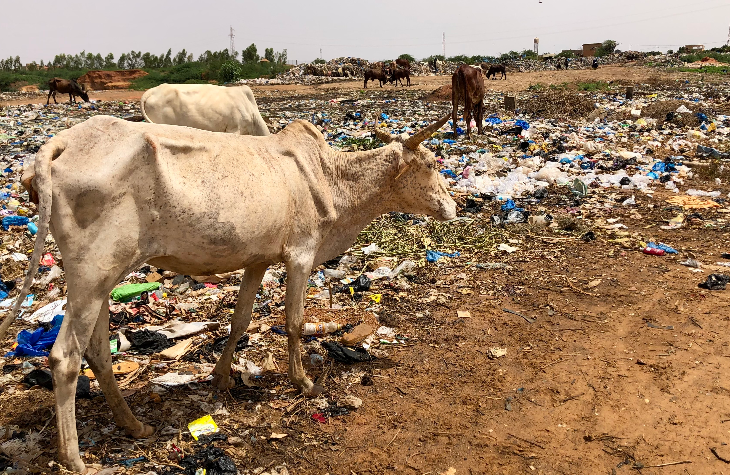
pixel 204 107
pixel 186 192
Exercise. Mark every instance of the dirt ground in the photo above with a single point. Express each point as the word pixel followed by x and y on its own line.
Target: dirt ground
pixel 515 82
pixel 622 370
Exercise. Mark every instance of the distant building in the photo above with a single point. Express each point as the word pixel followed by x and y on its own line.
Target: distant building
pixel 589 49
pixel 694 48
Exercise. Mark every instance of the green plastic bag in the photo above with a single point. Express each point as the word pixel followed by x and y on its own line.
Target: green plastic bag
pixel 126 293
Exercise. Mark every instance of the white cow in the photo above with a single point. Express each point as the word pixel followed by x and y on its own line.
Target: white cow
pixel 117 194
pixel 205 107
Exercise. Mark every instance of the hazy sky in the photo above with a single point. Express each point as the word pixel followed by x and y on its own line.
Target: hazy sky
pixel 370 29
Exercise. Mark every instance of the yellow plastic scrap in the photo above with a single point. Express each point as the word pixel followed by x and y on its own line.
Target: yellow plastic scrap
pixel 202 426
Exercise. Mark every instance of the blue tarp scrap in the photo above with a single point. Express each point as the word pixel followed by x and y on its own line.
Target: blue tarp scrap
pixel 36 343
pixel 449 173
pixel 433 256
pixel 523 124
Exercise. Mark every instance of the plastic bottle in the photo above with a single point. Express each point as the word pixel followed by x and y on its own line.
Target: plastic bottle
pixel 320 328
pixel 654 252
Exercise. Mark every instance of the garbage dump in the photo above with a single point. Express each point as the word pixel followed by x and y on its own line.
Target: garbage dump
pixel 580 170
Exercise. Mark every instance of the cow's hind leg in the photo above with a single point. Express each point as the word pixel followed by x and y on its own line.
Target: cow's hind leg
pixel 99 358
pixel 48 101
pixel 85 301
pixel 298 270
pixel 239 323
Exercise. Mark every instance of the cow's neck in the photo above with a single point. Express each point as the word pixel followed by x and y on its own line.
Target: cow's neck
pixel 362 187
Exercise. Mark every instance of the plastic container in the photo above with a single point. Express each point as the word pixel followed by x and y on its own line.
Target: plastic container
pixel 654 252
pixel 319 329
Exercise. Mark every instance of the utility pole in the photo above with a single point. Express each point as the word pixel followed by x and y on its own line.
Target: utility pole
pixel 320 54
pixel 728 38
pixel 233 44
pixel 443 43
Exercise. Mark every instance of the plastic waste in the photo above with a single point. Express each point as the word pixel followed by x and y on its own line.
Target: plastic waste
pixel 38 342
pixel 434 256
pixel 126 293
pixel 320 329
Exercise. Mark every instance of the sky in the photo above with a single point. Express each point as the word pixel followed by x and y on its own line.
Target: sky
pixel 371 29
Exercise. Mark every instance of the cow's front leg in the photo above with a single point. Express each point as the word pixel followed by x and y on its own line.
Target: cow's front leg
pixel 239 323
pixel 298 269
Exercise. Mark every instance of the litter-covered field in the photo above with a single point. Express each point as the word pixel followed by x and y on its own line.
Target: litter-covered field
pixel 572 319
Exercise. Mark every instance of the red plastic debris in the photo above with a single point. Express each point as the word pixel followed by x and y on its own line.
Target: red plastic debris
pixel 319 417
pixel 48 260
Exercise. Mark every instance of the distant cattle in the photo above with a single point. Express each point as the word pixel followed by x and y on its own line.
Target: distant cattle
pixel 205 107
pixel 66 86
pixel 373 74
pixel 467 84
pixel 397 75
pixel 494 69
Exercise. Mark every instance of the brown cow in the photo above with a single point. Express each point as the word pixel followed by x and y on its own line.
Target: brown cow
pixel 467 83
pixel 66 86
pixel 373 74
pixel 398 75
pixel 494 69
pixel 403 63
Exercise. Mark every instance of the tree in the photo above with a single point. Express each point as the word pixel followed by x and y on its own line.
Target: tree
pixel 167 60
pixel 407 56
pixel 281 57
pixel 606 48
pixel 230 71
pixel 42 65
pixel 269 54
pixel 122 63
pixel 250 54
pixel 17 65
pixel 109 61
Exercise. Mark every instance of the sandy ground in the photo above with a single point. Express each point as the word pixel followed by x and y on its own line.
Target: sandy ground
pixel 515 82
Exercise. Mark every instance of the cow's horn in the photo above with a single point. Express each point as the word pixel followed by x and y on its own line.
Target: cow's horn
pixel 415 140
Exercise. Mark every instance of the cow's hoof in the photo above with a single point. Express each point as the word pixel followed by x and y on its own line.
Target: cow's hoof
pixel 314 391
pixel 222 383
pixel 143 432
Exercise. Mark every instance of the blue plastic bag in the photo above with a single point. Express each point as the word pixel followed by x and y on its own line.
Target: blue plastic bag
pixel 433 256
pixel 14 221
pixel 449 173
pixel 663 247
pixel 36 343
pixel 522 124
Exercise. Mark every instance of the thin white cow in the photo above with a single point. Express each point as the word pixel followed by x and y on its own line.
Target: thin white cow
pixel 205 107
pixel 116 194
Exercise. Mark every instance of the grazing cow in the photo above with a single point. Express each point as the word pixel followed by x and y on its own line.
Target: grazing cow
pixel 494 69
pixel 398 75
pixel 467 84
pixel 373 74
pixel 117 194
pixel 66 86
pixel 205 107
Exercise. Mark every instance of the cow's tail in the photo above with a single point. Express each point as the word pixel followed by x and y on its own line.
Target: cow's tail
pixel 44 186
pixel 142 103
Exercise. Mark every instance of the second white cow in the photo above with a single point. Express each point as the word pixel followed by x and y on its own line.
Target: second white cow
pixel 205 107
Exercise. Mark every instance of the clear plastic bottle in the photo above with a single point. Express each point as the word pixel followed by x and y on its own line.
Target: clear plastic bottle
pixel 320 328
